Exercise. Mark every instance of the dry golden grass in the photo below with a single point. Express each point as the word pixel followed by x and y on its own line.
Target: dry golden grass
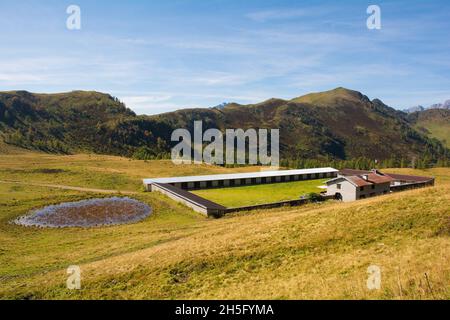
pixel 319 251
pixel 96 171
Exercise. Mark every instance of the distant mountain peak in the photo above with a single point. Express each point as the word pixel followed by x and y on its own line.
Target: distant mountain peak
pixel 414 109
pixel 445 105
pixel 221 106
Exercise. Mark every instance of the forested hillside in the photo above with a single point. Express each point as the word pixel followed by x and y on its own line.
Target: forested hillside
pixel 333 126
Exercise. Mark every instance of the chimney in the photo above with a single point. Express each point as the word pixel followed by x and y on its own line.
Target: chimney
pixel 376 171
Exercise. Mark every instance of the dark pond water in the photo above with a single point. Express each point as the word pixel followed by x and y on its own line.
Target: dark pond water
pixel 87 213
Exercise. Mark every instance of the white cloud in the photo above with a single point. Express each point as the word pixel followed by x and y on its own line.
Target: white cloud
pixel 72 72
pixel 290 13
pixel 149 103
pixel 345 75
pixel 262 16
pixel 145 99
pixel 19 78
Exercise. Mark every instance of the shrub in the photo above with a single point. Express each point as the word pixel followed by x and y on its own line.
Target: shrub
pixel 315 197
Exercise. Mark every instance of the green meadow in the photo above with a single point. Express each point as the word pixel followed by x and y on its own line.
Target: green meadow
pixel 260 194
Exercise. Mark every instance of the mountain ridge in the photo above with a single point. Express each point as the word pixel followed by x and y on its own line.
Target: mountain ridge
pixel 336 124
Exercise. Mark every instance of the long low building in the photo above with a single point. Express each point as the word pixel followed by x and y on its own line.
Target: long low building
pixel 241 179
pixel 190 200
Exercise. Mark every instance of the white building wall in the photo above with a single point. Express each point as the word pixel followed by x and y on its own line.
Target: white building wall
pixel 348 191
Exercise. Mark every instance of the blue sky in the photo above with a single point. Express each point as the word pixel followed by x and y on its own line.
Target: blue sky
pixel 158 56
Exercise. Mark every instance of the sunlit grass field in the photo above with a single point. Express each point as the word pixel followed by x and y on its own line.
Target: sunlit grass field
pixel 94 171
pixel 260 194
pixel 317 251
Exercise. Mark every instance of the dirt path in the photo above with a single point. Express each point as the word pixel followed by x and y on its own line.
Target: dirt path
pixel 57 186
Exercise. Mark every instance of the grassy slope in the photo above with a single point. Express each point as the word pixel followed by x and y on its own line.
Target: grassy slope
pixel 313 126
pixel 316 251
pixel 434 122
pixel 440 131
pixel 94 171
pixel 252 195
pixel 6 149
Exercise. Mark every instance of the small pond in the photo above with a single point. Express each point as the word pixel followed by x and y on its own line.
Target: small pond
pixel 87 213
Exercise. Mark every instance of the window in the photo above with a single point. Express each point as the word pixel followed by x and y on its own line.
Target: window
pixel 373 186
pixel 361 189
pixel 338 186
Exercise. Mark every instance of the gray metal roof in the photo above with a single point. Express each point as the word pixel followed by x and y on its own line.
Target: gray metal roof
pixel 248 175
pixel 191 197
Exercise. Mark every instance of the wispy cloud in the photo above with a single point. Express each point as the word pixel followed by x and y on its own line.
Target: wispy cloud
pixel 290 13
pixel 13 79
pixel 145 100
pixel 347 75
pixel 262 16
